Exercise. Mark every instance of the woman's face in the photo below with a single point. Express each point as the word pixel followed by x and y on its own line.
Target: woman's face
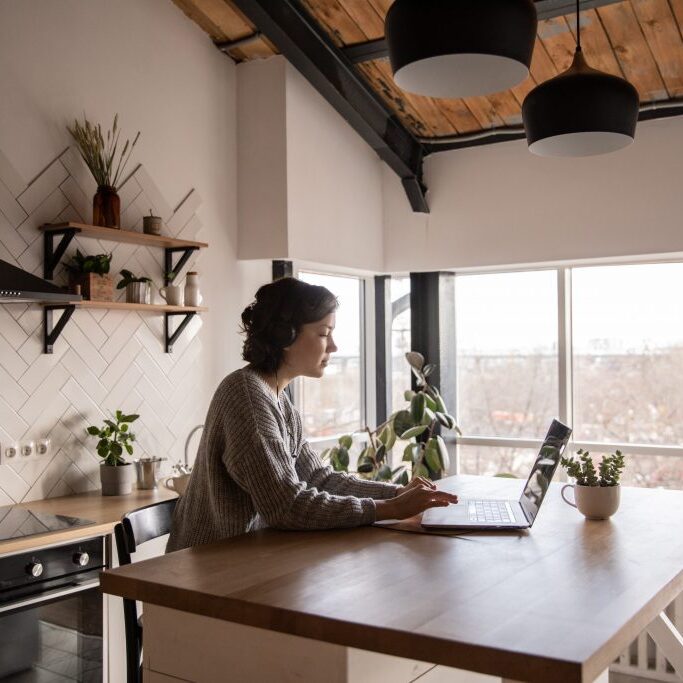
pixel 311 350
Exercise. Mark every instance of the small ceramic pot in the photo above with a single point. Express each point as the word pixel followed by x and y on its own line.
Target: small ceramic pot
pixel 117 480
pixel 151 225
pixel 594 502
pixel 138 293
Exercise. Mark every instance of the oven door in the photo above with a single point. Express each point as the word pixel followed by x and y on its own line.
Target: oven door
pixel 54 632
pixel 59 640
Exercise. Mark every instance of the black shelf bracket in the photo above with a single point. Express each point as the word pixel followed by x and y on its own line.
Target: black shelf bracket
pixel 171 271
pixel 51 332
pixel 52 256
pixel 172 338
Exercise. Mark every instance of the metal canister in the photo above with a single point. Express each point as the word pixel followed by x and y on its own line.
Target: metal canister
pixel 148 471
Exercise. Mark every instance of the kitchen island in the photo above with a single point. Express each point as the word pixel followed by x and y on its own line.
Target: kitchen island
pixel 557 603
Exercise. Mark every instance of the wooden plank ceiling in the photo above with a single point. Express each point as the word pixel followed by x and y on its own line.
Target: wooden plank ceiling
pixel 640 40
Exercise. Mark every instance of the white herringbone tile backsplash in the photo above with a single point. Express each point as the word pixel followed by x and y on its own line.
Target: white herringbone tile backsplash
pixel 104 359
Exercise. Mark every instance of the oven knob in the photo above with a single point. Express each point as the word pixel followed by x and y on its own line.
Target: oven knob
pixel 34 569
pixel 81 559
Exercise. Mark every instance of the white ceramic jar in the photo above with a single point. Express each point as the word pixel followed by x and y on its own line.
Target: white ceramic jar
pixel 193 296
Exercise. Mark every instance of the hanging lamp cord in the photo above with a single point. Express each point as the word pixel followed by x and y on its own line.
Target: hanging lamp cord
pixel 578 27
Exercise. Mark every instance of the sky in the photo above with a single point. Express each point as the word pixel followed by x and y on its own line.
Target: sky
pixel 615 309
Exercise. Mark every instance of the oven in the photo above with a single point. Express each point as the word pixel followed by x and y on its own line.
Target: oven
pixel 51 614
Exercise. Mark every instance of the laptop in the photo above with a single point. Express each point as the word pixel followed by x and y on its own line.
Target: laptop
pixel 482 514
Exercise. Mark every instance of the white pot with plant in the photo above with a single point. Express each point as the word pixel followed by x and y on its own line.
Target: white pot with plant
pixel 597 492
pixel 116 474
pixel 418 423
pixel 138 289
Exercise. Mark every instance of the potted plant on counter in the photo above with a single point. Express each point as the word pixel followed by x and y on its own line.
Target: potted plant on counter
pixel 116 474
pixel 138 290
pixel 91 273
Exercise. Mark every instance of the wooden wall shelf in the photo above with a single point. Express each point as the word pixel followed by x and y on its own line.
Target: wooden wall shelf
pixel 171 246
pixel 116 235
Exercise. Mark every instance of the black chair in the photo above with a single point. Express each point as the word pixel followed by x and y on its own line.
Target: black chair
pixel 136 527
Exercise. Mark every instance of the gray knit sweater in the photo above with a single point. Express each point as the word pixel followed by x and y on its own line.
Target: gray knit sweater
pixel 254 469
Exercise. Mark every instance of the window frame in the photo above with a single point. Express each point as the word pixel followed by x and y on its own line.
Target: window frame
pixel 565 365
pixel 366 348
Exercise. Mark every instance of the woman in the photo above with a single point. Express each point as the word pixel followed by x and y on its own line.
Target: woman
pixel 254 468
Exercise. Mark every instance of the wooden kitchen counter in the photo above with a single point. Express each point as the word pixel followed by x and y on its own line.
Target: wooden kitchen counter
pixel 558 603
pixel 104 511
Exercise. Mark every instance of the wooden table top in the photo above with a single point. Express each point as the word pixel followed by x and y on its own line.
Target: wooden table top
pixel 104 511
pixel 559 602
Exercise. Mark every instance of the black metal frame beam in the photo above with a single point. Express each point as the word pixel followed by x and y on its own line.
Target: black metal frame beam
pixel 383 320
pixel 51 332
pixel 52 256
pixel 170 338
pixel 308 47
pixel 545 9
pixel 432 328
pixel 171 272
pixel 282 269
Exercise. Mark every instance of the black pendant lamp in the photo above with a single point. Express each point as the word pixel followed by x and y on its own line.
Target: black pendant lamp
pixel 581 112
pixel 460 48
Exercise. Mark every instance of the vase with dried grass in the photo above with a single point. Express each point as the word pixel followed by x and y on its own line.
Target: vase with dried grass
pixel 107 163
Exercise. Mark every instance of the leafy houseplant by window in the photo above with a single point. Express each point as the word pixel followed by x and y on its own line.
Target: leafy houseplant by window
pixel 426 453
pixel 107 162
pixel 597 492
pixel 91 273
pixel 116 474
pixel 137 288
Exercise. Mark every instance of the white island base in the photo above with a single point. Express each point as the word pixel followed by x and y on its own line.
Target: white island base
pixel 180 646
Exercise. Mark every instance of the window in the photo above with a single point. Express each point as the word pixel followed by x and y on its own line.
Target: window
pixel 506 339
pixel 334 404
pixel 615 377
pixel 628 353
pixel 400 340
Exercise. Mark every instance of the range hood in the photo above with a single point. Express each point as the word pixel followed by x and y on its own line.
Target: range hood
pixel 20 286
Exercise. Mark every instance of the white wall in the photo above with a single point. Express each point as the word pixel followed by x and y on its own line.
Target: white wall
pixel 161 73
pixel 334 184
pixel 324 204
pixel 262 159
pixel 500 205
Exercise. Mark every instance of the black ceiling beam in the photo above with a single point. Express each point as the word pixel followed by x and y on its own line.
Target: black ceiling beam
pixel 308 47
pixel 546 9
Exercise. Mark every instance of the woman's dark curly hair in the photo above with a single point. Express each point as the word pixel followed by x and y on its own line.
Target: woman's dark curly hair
pixel 272 321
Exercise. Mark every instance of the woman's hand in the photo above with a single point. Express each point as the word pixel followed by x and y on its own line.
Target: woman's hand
pixel 414 498
pixel 417 482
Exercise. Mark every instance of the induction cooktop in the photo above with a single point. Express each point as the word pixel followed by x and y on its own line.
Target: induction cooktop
pixel 16 522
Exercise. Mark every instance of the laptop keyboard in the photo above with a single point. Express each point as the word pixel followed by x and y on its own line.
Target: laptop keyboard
pixel 492 511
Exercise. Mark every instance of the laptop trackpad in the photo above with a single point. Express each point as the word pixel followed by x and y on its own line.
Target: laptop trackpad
pixel 453 514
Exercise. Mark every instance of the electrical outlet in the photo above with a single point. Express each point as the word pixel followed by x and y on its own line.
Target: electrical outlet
pixel 11 450
pixel 43 447
pixel 28 448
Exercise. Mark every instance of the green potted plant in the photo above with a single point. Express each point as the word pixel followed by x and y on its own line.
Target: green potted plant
pixel 114 437
pixel 596 492
pixel 138 289
pixel 107 163
pixel 91 273
pixel 426 453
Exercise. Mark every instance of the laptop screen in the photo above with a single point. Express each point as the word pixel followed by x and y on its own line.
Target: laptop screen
pixel 544 468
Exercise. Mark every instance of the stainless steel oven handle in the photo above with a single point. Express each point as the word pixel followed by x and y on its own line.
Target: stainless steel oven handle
pixel 50 595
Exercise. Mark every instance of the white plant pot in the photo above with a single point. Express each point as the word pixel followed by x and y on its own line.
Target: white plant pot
pixel 138 293
pixel 117 480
